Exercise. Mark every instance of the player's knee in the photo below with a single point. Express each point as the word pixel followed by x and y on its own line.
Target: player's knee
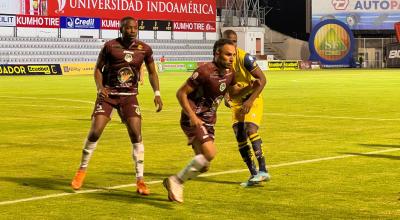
pixel 210 155
pixel 251 130
pixel 240 132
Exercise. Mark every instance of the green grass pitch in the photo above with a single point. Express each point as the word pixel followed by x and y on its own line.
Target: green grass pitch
pixel 332 142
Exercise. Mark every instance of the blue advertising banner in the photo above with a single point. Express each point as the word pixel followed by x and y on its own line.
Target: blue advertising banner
pixel 332 43
pixel 80 23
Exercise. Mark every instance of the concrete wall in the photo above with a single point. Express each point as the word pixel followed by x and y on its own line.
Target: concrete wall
pixel 247 37
pixel 289 48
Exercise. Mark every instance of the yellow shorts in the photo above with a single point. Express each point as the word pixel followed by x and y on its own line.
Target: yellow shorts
pixel 254 116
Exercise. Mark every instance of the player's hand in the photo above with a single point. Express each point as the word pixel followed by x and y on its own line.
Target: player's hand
pixel 227 103
pixel 246 107
pixel 158 103
pixel 196 122
pixel 102 93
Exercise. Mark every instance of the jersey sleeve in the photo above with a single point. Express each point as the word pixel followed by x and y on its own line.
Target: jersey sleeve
pixel 101 59
pixel 196 79
pixel 148 56
pixel 249 62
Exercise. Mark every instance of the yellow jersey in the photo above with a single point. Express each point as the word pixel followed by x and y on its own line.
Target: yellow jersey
pixel 243 65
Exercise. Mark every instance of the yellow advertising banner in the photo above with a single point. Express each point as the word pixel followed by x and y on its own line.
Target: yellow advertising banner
pixel 77 68
pixel 283 65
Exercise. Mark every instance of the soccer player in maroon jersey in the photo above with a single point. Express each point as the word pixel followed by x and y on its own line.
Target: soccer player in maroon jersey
pixel 200 97
pixel 116 77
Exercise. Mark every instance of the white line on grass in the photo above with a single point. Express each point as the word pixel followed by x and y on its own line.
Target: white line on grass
pixel 269 113
pixel 45 98
pixel 204 175
pixel 333 117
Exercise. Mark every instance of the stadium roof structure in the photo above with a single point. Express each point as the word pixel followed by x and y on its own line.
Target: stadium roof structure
pixel 243 10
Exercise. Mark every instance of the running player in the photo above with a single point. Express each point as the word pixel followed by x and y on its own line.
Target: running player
pixel 199 98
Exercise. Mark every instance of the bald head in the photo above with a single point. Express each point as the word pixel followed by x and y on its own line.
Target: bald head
pixel 231 35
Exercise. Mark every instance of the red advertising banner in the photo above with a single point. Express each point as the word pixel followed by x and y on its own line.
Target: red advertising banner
pixel 182 10
pixel 38 21
pixel 194 26
pixel 397 28
pixel 109 24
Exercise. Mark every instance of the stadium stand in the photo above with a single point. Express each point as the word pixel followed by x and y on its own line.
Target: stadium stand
pixel 14 50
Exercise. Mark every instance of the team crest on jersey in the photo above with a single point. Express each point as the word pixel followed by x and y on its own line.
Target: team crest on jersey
pixel 222 87
pixel 125 74
pixel 128 57
pixel 195 75
pixel 139 47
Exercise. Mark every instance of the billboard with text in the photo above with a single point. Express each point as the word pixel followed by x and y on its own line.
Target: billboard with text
pixel 7 20
pixel 30 69
pixel 358 14
pixel 194 15
pixel 79 23
pixel 37 21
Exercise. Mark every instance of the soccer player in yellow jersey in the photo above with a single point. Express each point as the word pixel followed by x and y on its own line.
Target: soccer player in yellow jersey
pixel 247 110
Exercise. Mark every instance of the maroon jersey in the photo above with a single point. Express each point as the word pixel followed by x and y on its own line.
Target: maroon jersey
pixel 120 65
pixel 209 89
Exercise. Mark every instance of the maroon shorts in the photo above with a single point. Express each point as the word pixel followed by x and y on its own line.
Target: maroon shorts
pixel 202 134
pixel 127 106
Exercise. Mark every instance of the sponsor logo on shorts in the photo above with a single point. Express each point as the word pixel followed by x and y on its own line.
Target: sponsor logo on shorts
pixel 137 110
pixel 99 108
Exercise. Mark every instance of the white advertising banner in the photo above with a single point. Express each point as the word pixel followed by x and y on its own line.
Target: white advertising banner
pixel 358 14
pixel 7 20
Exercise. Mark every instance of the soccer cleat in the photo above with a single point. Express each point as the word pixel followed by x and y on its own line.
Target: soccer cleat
pixel 77 181
pixel 250 184
pixel 261 176
pixel 141 188
pixel 174 188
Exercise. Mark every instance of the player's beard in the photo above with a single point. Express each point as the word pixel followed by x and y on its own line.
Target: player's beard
pixel 224 64
pixel 128 39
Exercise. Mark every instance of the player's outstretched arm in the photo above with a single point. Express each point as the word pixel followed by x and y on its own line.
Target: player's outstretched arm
pixel 153 77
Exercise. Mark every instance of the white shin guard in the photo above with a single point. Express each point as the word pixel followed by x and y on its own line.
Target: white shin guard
pixel 138 158
pixel 194 168
pixel 87 152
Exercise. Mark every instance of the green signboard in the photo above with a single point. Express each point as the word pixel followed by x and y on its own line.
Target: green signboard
pixel 177 66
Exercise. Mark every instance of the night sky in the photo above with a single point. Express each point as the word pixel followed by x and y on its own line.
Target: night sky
pixel 287 16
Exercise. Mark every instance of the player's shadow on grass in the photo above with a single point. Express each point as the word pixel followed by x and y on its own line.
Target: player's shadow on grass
pixel 41 183
pixel 381 145
pixel 130 197
pixel 147 175
pixel 161 176
pixel 383 156
pixel 210 180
